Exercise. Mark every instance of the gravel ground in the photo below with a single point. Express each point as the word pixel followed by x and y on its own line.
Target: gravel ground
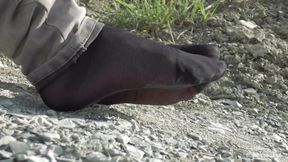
pixel 241 118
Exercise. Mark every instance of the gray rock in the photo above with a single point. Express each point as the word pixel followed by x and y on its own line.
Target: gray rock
pixel 257 50
pixel 18 147
pixel 194 137
pixel 135 125
pixel 37 159
pixel 181 154
pixel 51 155
pixel 57 150
pixel 8 160
pixel 6 140
pixel 134 152
pixel 63 159
pixel 114 152
pixel 51 113
pixel 154 160
pixel 246 160
pixel 277 138
pixel 5 154
pixel 250 91
pixel 96 157
pixel 21 157
pixel 226 154
pixel 230 102
pixel 66 123
pixel 124 139
pixel 50 136
pixel 2 112
pixel 261 160
pixel 41 120
pixel 223 160
pixel 275 160
pixel 248 24
pixel 148 150
pixel 6 103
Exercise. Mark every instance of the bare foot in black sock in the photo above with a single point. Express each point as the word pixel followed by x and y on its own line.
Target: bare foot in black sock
pixel 165 96
pixel 119 62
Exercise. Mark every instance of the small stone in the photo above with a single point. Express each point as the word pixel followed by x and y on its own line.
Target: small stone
pixel 277 138
pixel 50 136
pixel 261 160
pixel 96 157
pixel 114 152
pixel 2 112
pixel 123 125
pixel 246 160
pixel 41 120
pixel 154 160
pixel 181 154
pixel 37 159
pixel 134 152
pixel 5 154
pixel 63 159
pixel 275 160
pixel 6 140
pixel 230 102
pixel 248 24
pixel 21 157
pixel 226 154
pixel 148 150
pixel 57 150
pixel 257 50
pixel 250 91
pixel 51 113
pixel 135 125
pixel 194 137
pixel 237 113
pixel 6 103
pixel 18 147
pixel 66 123
pixel 124 139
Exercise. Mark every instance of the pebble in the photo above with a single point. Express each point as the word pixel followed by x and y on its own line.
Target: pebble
pixel 226 154
pixel 250 91
pixel 124 139
pixel 154 160
pixel 18 147
pixel 257 50
pixel 96 157
pixel 134 152
pixel 6 140
pixel 57 150
pixel 261 160
pixel 277 138
pixel 114 152
pixel 248 24
pixel 181 154
pixel 66 123
pixel 50 136
pixel 230 102
pixel 51 113
pixel 5 154
pixel 194 137
pixel 37 159
pixel 21 157
pixel 6 103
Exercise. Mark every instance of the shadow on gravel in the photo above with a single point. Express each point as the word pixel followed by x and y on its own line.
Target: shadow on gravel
pixel 18 99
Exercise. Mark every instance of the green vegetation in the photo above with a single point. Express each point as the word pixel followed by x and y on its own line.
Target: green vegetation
pixel 156 15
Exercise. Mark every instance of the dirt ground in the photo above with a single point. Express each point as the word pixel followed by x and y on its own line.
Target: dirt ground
pixel 242 117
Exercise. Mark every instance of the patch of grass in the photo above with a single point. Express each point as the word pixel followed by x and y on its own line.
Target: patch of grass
pixel 156 15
